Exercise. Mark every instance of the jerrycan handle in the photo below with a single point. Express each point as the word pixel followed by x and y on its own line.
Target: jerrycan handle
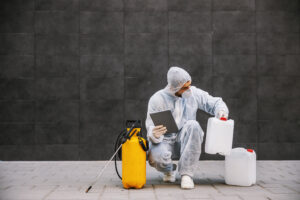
pixel 223 119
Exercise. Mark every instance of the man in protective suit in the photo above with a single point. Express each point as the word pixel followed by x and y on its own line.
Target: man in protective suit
pixel 183 100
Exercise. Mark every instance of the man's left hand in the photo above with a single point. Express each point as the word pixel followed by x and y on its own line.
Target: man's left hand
pixel 221 114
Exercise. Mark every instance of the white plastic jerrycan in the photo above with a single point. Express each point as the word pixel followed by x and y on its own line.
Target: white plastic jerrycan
pixel 240 167
pixel 219 136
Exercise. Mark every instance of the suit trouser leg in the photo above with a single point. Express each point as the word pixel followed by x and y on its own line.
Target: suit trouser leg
pixel 190 140
pixel 160 155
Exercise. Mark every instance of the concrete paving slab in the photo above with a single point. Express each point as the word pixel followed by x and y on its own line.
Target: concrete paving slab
pixel 68 180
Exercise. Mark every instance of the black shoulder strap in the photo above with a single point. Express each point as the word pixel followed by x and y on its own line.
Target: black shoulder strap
pixel 145 147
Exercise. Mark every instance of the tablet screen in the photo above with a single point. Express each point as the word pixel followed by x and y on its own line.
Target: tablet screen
pixel 166 119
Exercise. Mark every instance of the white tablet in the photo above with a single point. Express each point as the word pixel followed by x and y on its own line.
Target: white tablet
pixel 166 119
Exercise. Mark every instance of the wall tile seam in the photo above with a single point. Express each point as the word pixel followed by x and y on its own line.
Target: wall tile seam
pixel 145 33
pixel 35 82
pixel 17 78
pixel 279 143
pixel 226 33
pixel 279 54
pixel 124 63
pixel 17 123
pixel 275 120
pixel 168 39
pixel 16 55
pixel 190 12
pixel 80 82
pixel 299 23
pixel 209 32
pixel 275 11
pixel 17 100
pixel 277 33
pixel 277 76
pixel 232 75
pixel 58 33
pixel 238 54
pixel 17 33
pixel 212 45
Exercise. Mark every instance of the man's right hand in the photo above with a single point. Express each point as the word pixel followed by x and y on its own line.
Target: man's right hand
pixel 159 130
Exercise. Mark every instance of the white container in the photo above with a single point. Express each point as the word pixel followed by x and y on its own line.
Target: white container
pixel 219 136
pixel 240 167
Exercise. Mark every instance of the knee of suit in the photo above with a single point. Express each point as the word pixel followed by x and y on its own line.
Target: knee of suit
pixel 164 158
pixel 197 130
pixel 193 124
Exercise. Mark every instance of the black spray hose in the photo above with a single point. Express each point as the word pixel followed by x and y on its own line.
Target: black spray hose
pixel 117 144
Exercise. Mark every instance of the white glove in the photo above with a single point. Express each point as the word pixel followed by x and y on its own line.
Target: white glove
pixel 221 114
pixel 158 131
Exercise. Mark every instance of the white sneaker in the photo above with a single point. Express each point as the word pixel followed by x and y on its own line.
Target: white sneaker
pixel 170 177
pixel 187 182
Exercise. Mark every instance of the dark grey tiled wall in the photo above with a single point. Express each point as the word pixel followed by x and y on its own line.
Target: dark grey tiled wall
pixel 72 71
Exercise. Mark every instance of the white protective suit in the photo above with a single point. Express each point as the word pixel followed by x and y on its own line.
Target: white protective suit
pixel 186 144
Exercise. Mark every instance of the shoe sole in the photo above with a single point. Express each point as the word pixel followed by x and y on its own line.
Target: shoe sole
pixel 187 188
pixel 169 181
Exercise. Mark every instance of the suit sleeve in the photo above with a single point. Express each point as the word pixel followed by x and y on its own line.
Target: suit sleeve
pixel 208 103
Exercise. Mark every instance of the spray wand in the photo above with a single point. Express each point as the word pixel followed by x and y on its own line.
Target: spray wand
pixel 125 138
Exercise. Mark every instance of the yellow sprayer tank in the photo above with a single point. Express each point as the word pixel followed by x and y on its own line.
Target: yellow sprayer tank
pixel 133 162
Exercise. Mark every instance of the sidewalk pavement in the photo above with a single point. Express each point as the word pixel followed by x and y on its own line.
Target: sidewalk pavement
pixel 68 180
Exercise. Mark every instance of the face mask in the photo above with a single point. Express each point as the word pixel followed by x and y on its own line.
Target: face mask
pixel 187 94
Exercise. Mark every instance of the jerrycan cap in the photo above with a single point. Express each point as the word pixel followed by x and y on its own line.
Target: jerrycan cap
pixel 250 150
pixel 223 119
